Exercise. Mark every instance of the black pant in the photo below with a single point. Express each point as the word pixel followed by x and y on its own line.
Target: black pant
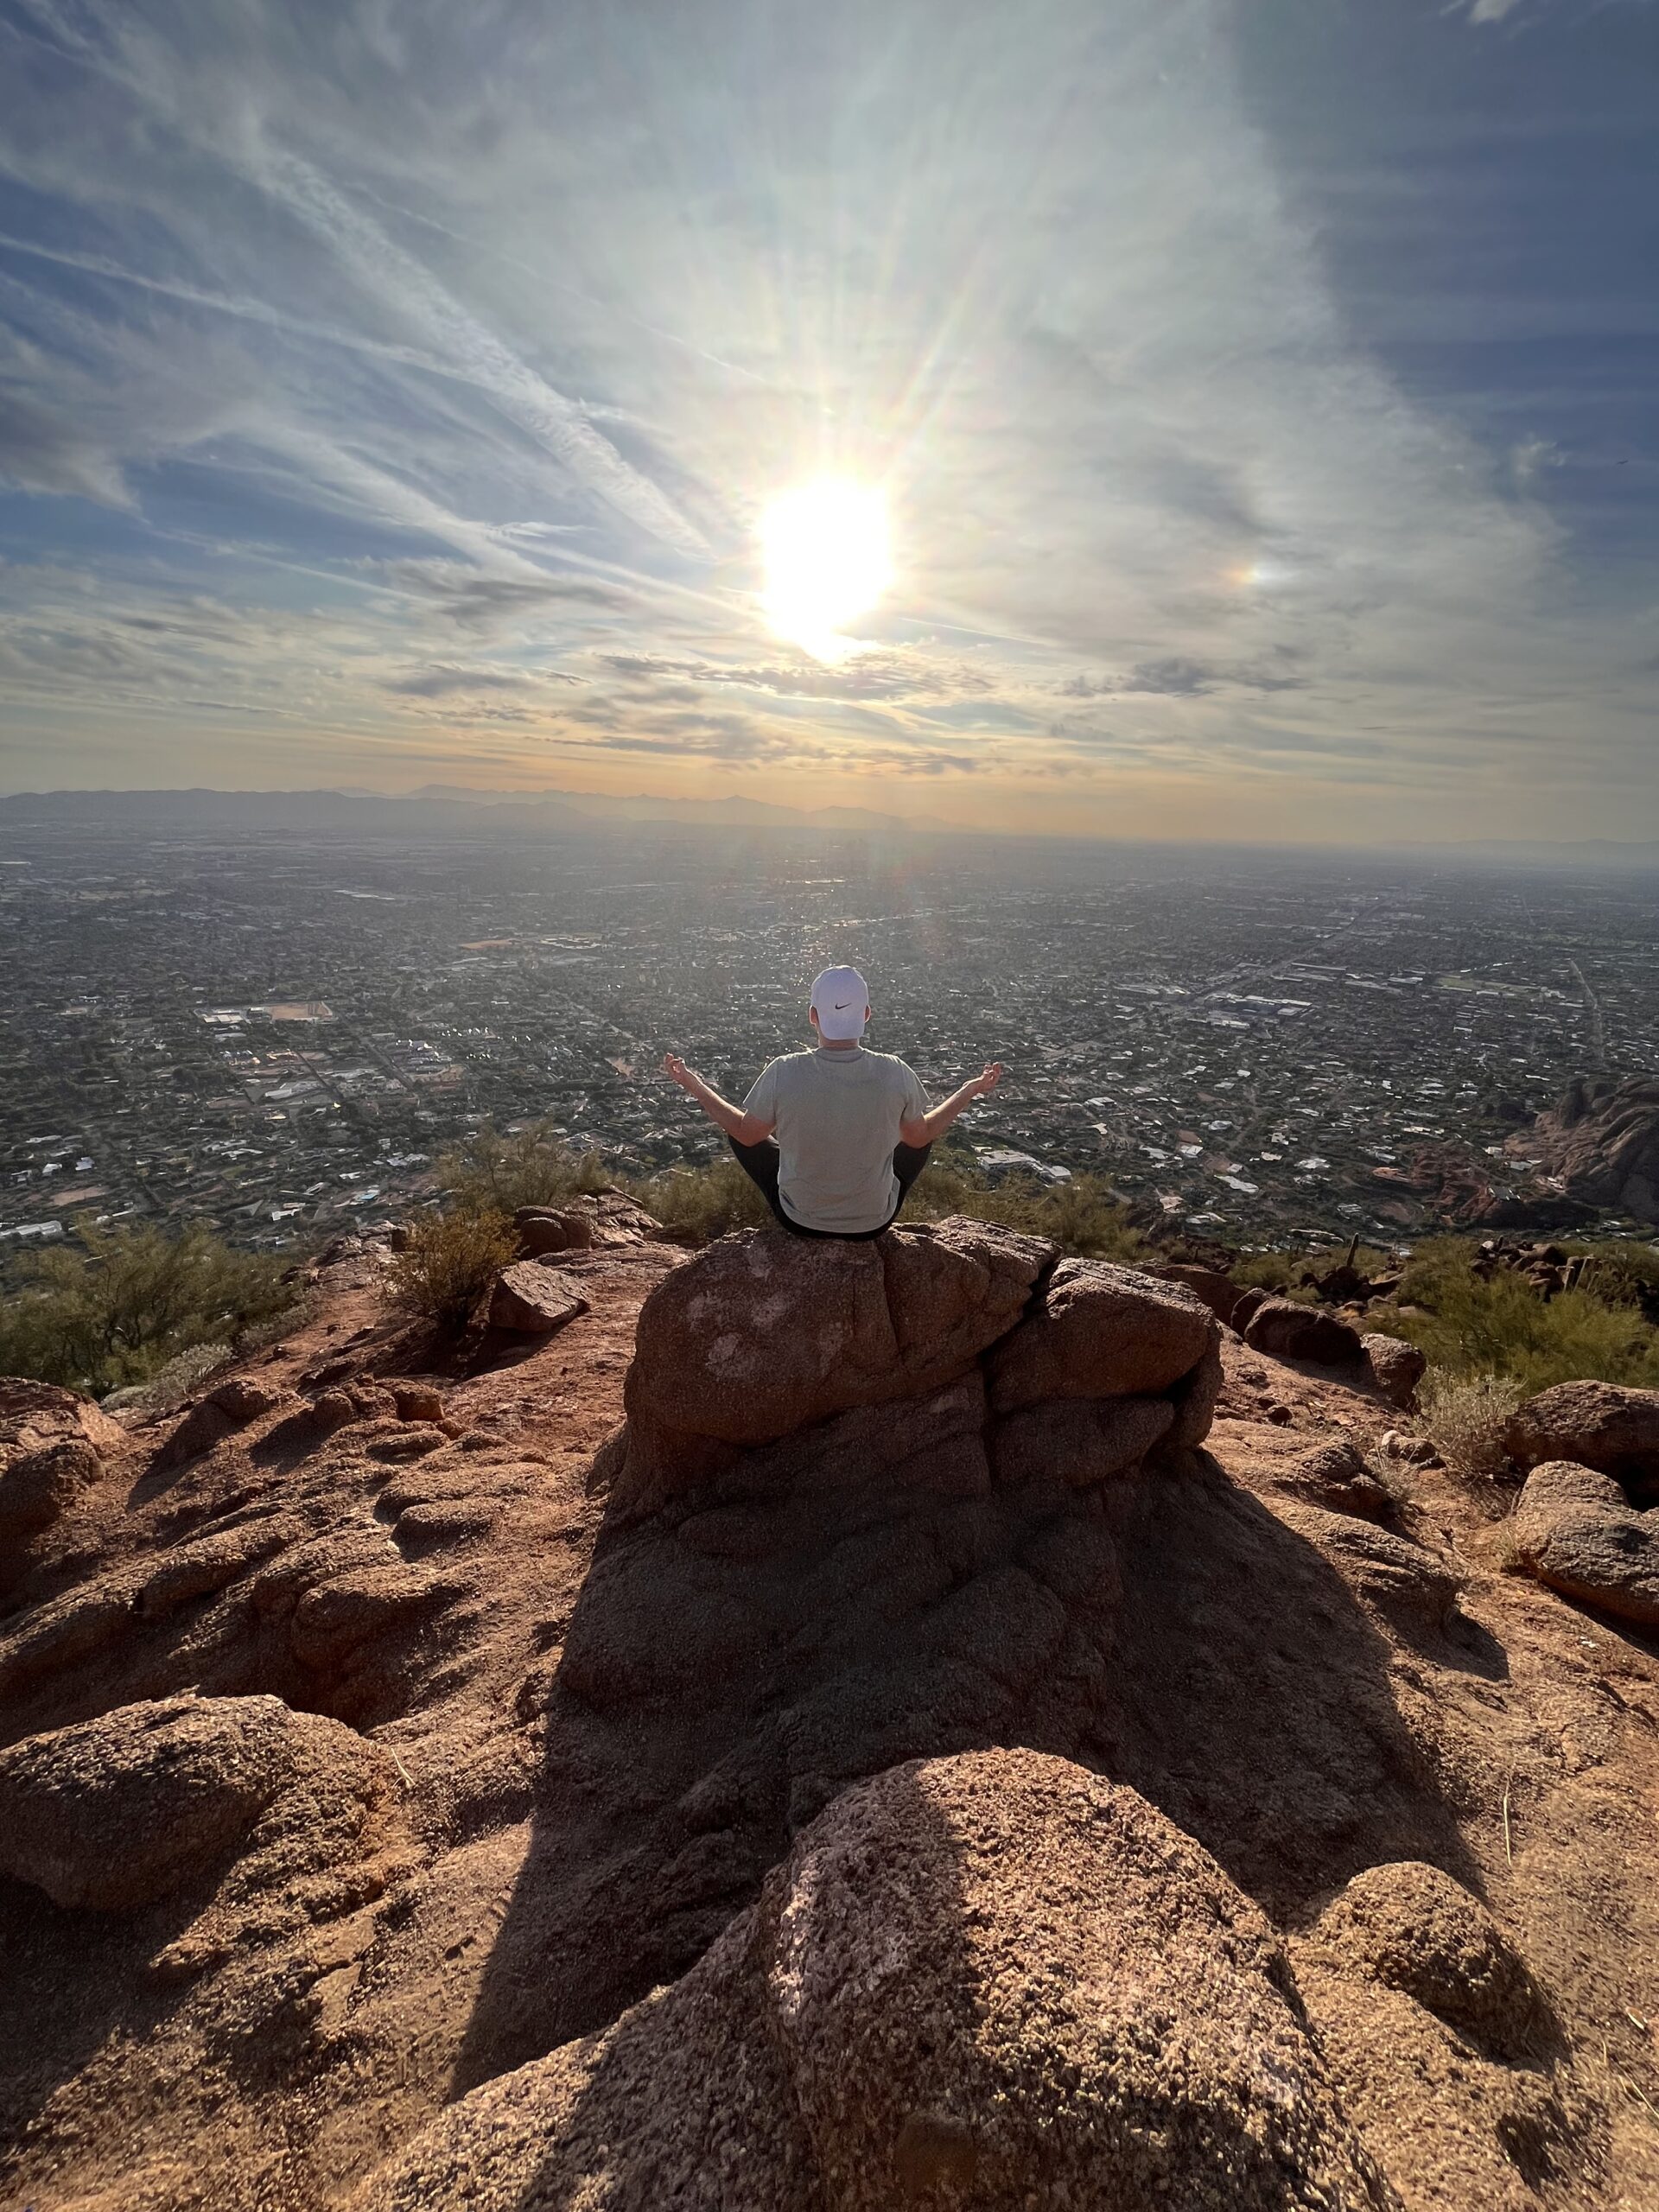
pixel 760 1162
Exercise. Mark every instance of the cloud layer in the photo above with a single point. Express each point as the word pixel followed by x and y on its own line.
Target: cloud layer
pixel 391 389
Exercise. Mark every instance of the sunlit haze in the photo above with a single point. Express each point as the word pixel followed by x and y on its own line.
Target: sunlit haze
pixel 1131 418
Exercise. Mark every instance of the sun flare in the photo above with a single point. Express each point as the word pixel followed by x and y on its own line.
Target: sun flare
pixel 827 561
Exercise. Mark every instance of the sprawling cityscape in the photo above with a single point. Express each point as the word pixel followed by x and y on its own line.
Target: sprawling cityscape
pixel 279 1034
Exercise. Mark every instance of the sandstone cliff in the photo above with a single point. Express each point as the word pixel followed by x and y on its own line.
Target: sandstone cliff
pixel 1600 1143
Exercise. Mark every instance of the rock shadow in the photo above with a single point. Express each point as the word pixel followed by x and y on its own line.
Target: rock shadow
pixel 726 1673
pixel 962 1991
pixel 1258 1708
pixel 75 1983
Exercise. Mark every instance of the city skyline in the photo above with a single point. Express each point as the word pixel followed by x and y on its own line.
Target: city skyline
pixel 1257 399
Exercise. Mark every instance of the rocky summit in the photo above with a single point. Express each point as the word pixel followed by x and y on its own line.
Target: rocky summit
pixel 837 1725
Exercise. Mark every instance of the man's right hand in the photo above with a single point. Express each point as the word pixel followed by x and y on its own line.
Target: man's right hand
pixel 675 1068
pixel 977 1086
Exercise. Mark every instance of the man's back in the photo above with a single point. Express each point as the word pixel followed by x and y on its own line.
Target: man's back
pixel 835 1113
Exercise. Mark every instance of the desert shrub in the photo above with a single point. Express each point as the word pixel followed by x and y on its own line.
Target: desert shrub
pixel 700 1203
pixel 173 1385
pixel 1622 1275
pixel 1503 1327
pixel 1464 1414
pixel 1084 1217
pixel 448 1264
pixel 1278 1272
pixel 1282 1273
pixel 119 1305
pixel 497 1174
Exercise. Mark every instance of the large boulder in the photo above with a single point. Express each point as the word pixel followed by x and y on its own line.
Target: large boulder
pixel 118 1811
pixel 1576 1530
pixel 35 1413
pixel 53 1446
pixel 542 1230
pixel 993 1981
pixel 821 1516
pixel 38 1486
pixel 606 1220
pixel 765 1334
pixel 765 1340
pixel 1596 1424
pixel 1102 1331
pixel 1396 1369
pixel 1335 1476
pixel 532 1300
pixel 1285 1330
pixel 1411 1927
pixel 1080 1440
pixel 1219 1291
pixel 231 1407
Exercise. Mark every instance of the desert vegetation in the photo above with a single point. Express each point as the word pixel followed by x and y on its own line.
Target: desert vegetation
pixel 129 1305
pixel 118 1305
pixel 448 1261
pixel 1463 1416
pixel 1474 1324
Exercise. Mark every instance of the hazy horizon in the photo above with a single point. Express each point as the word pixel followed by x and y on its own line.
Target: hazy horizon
pixel 624 810
pixel 1257 401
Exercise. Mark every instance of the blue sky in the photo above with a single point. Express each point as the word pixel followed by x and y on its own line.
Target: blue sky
pixel 1264 397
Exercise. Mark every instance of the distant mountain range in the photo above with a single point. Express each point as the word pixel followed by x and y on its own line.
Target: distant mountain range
pixel 721 813
pixel 1583 852
pixel 438 808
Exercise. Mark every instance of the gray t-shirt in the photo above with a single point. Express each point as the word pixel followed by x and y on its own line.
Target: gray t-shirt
pixel 836 1116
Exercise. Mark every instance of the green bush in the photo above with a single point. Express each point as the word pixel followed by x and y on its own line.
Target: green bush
pixel 1083 1216
pixel 1282 1273
pixel 1501 1326
pixel 448 1263
pixel 119 1304
pixel 700 1203
pixel 1278 1272
pixel 533 1166
pixel 1621 1274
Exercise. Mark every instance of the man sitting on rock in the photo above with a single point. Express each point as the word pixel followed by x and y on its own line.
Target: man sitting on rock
pixel 853 1129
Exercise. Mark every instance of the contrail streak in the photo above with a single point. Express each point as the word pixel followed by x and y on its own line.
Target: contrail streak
pixel 574 291
pixel 232 303
pixel 555 421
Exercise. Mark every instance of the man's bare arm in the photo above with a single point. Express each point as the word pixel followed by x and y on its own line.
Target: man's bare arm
pixel 926 1127
pixel 748 1128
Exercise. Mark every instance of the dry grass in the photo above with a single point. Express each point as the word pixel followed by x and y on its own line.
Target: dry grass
pixel 1464 1414
pixel 534 1167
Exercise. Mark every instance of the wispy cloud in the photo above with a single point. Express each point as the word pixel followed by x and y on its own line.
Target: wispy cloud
pixel 416 379
pixel 443 678
pixel 528 399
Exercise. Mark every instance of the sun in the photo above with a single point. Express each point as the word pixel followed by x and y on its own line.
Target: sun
pixel 827 561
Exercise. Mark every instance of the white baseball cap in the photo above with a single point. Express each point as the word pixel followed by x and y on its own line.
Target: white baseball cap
pixel 841 998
